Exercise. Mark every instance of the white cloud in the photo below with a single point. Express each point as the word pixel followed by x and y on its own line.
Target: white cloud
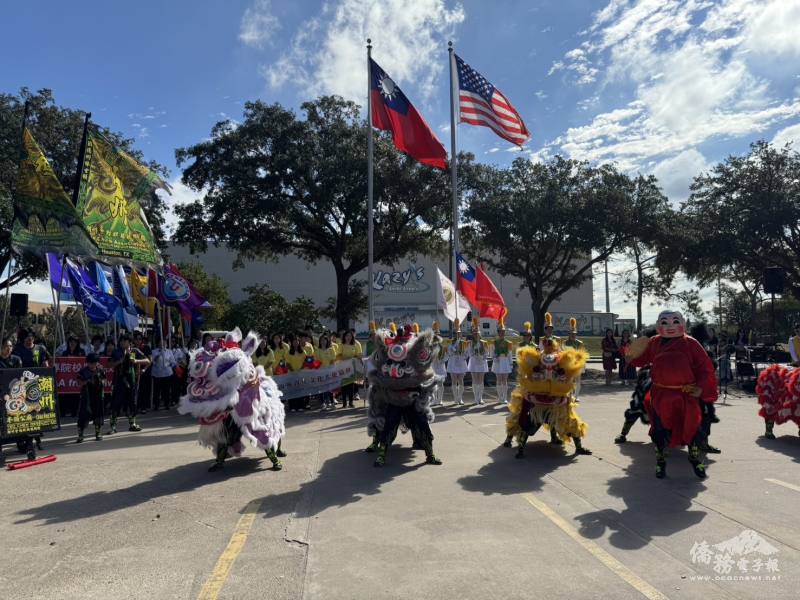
pixel 687 67
pixel 774 30
pixel 258 24
pixel 675 174
pixel 787 135
pixel 328 52
pixel 181 194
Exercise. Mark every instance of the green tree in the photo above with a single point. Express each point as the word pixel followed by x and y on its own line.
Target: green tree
pixel 742 217
pixel 277 184
pixel 549 223
pixel 642 249
pixel 266 311
pixel 213 288
pixel 58 131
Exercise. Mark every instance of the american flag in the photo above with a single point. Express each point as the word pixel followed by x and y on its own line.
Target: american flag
pixel 480 103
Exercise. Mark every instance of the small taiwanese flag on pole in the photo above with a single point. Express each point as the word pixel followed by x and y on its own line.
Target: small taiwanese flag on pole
pixel 392 111
pixel 466 280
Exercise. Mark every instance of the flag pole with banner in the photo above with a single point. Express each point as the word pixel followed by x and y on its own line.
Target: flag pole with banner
pixel 370 187
pixel 453 163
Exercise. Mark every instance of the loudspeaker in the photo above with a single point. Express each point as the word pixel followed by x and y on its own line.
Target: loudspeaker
pixel 773 280
pixel 18 307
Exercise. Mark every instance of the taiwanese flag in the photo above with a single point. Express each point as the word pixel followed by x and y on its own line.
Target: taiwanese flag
pixel 490 301
pixel 466 280
pixel 391 111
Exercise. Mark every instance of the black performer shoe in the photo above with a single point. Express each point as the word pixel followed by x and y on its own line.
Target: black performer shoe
pixel 134 427
pixel 380 460
pixel 432 460
pixel 583 451
pixel 280 453
pixel 711 449
pixel 31 455
pixel 80 439
pixel 699 469
pixel 769 435
pixel 507 442
pixel 38 441
pixel 620 439
pixel 215 467
pixel 661 469
pixel 556 441
pixel 373 447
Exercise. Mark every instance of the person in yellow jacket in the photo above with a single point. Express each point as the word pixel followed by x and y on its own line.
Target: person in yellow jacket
pixel 326 355
pixel 294 358
pixel 350 348
pixel 264 356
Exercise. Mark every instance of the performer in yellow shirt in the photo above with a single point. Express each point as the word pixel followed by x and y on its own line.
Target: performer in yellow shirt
pixel 350 348
pixel 326 355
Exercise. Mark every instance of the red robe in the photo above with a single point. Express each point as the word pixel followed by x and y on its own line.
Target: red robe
pixel 681 361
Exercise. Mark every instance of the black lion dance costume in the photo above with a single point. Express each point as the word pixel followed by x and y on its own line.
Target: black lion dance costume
pixel 402 384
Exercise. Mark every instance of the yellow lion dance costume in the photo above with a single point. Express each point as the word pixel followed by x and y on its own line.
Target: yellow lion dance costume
pixel 545 395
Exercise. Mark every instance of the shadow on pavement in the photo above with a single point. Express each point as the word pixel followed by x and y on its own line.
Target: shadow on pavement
pixel 505 474
pixel 783 444
pixel 653 508
pixel 183 478
pixel 345 479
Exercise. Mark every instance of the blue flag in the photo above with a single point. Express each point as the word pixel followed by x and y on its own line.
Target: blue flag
pixel 100 277
pixel 56 274
pixel 126 313
pixel 99 306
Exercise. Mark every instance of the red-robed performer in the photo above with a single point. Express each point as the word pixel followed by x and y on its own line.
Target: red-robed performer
pixel 683 377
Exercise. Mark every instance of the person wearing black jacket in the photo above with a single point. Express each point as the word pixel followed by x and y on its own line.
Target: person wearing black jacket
pixel 124 361
pixel 91 378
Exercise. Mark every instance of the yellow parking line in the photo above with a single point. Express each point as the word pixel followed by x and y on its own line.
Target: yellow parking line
pixel 790 486
pixel 218 577
pixel 620 570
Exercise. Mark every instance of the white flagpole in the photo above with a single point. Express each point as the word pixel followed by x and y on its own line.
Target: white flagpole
pixel 370 174
pixel 454 162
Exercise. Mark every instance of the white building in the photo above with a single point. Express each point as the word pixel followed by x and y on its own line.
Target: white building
pixel 403 293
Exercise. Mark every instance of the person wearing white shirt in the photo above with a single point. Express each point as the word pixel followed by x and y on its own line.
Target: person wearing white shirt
pixel 162 371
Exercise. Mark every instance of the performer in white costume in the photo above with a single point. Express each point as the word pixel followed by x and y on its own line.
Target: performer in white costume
pixel 439 369
pixel 478 361
pixel 457 362
pixel 503 364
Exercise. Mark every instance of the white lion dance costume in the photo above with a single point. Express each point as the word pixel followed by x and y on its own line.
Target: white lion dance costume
pixel 234 399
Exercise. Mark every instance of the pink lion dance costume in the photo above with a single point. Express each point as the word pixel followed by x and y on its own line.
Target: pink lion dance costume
pixel 778 390
pixel 233 399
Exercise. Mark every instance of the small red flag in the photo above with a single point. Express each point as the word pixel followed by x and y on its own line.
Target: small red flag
pixel 490 301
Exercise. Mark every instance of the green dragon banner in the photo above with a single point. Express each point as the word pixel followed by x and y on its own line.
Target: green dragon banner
pixel 112 190
pixel 44 218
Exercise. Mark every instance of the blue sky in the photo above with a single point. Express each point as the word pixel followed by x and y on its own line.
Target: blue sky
pixel 657 86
